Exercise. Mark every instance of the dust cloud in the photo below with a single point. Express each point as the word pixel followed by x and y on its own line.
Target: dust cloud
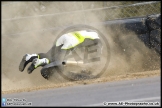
pixel 31 27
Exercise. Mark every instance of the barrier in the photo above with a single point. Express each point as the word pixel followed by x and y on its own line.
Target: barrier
pixel 147 29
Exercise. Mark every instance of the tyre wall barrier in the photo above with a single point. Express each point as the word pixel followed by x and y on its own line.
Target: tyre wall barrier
pixel 147 29
pixel 154 27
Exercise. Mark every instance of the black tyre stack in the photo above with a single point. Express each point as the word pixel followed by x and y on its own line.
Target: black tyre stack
pixel 153 23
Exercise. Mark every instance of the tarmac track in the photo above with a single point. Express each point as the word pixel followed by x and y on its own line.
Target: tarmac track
pixel 142 90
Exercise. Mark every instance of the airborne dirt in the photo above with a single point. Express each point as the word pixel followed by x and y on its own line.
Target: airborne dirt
pixel 130 58
pixel 13 49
